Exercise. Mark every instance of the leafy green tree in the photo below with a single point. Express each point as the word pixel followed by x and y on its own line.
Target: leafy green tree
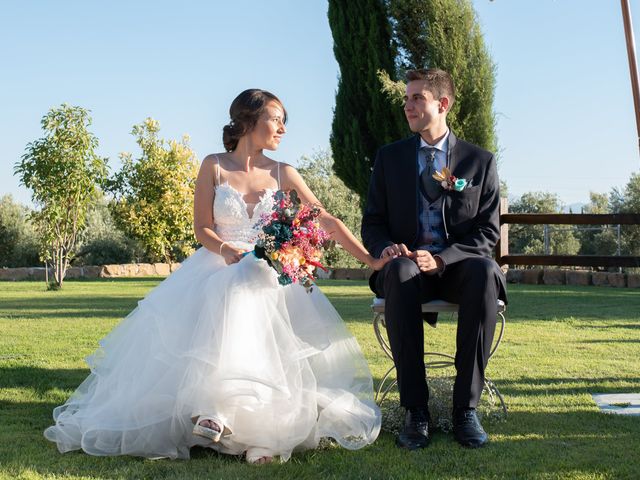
pixel 18 236
pixel 628 201
pixel 504 189
pixel 63 171
pixel 336 197
pixel 102 242
pixel 616 200
pixel 364 118
pixel 594 240
pixel 153 195
pixel 529 239
pixel 446 34
pixel 598 204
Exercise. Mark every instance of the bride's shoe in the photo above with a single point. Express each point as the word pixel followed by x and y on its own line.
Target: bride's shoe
pixel 211 433
pixel 258 456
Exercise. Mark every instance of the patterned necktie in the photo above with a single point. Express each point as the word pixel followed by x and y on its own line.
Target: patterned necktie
pixel 431 189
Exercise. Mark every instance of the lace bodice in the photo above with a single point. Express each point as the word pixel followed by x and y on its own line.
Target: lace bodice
pixel 232 220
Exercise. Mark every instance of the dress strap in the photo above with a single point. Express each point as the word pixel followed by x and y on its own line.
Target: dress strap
pixel 278 175
pixel 218 171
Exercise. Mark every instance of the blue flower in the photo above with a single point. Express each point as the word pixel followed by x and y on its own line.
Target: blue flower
pixel 460 184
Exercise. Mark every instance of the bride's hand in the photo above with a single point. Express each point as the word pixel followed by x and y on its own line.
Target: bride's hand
pixel 378 263
pixel 231 254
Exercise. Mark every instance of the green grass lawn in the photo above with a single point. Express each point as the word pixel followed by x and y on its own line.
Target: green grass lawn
pixel 561 345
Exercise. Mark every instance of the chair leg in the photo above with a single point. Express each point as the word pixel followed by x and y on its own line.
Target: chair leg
pixel 380 329
pixel 444 360
pixel 383 388
pixel 503 323
pixel 493 392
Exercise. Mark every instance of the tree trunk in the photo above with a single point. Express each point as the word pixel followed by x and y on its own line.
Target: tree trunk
pixel 59 265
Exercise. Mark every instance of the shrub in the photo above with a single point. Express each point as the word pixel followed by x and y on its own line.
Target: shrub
pixel 102 243
pixel 18 237
pixel 337 198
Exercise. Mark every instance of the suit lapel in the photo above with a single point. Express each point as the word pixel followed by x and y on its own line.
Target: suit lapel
pixel 408 184
pixel 451 152
pixel 452 161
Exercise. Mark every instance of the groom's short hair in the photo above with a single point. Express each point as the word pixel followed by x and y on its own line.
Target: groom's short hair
pixel 439 82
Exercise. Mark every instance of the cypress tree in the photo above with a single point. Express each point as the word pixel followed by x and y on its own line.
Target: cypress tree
pixel 445 34
pixel 364 117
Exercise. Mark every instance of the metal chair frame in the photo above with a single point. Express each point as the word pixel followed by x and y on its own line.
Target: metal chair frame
pixel 438 359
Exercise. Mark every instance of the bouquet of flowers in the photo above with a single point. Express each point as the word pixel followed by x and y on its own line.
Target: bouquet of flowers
pixel 291 240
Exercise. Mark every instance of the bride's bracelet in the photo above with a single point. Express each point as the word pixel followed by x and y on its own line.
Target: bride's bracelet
pixel 222 245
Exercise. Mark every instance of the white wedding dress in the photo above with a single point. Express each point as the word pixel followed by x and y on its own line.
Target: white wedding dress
pixel 276 363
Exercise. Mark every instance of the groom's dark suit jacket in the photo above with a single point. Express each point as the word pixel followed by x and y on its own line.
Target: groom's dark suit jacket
pixel 471 216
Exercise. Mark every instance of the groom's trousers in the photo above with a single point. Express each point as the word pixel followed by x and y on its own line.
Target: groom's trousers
pixel 473 284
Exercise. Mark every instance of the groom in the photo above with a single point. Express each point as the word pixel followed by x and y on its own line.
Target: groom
pixel 440 235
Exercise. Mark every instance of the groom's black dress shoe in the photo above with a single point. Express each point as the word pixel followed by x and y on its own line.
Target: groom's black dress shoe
pixel 467 429
pixel 415 433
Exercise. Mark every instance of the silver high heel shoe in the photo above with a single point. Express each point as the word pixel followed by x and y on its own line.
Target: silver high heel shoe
pixel 210 433
pixel 254 455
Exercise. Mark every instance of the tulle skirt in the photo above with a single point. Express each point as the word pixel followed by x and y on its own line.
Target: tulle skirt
pixel 276 364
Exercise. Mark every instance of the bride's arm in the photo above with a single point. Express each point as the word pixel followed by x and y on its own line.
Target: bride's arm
pixel 291 180
pixel 203 214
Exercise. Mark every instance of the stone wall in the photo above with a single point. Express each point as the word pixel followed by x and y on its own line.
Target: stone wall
pixel 89 272
pixel 556 276
pixel 534 276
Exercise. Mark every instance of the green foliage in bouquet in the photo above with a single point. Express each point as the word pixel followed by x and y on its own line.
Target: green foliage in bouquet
pixel 291 240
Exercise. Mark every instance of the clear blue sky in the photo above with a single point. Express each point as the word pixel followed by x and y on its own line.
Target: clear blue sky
pixel 563 97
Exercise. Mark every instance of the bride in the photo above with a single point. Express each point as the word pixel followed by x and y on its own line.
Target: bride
pixel 219 354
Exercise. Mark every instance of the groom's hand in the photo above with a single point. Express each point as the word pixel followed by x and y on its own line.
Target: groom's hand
pixel 426 262
pixel 396 250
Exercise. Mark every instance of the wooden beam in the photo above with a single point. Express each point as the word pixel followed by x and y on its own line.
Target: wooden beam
pixel 572 260
pixel 570 219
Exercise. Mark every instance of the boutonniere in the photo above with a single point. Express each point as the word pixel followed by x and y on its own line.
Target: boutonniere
pixel 449 181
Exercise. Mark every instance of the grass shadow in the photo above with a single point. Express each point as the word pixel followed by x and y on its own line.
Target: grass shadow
pixel 41 380
pixel 532 387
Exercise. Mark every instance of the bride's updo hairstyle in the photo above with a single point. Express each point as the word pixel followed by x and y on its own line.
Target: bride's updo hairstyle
pixel 245 110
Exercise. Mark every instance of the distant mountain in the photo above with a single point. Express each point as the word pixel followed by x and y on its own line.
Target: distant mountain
pixel 574 207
